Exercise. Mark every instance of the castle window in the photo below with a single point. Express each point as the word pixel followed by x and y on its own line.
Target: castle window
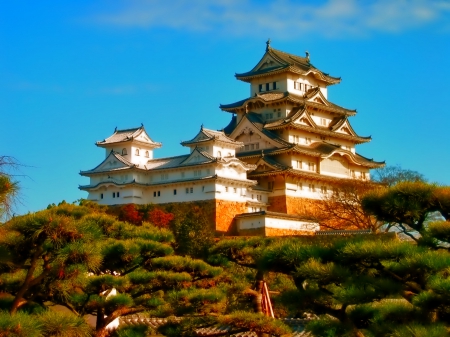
pixel 267 87
pixel 101 195
pixel 274 85
pixel 136 152
pixel 197 173
pixel 260 88
pixel 312 188
pixel 308 140
pixel 323 121
pixel 270 185
pixel 174 192
pixel 154 193
pixel 363 175
pixel 252 196
pixel 323 189
pixel 191 190
pixel 352 173
pixel 159 193
pixel 187 190
pixel 164 176
pixel 124 152
pixel 235 190
pixel 114 194
pixel 311 166
pixel 226 188
pixel 147 154
pixel 118 194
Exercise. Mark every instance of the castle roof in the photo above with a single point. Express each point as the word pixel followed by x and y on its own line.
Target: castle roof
pixel 316 149
pixel 127 135
pixel 299 118
pixel 206 135
pixel 256 121
pixel 276 61
pixel 260 100
pixel 113 162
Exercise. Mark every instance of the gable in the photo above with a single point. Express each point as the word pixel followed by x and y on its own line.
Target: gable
pixel 304 119
pixel 319 98
pixel 267 62
pixel 247 132
pixel 109 164
pixel 143 137
pixel 346 129
pixel 196 157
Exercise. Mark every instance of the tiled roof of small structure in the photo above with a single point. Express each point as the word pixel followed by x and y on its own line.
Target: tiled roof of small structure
pixel 117 156
pixel 297 326
pixel 274 214
pixel 126 135
pixel 288 62
pixel 164 163
pixel 211 135
pixel 298 99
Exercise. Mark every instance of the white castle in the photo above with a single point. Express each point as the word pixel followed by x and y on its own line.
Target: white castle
pixel 286 146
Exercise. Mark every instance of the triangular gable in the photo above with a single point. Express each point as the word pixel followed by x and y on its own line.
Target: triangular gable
pixel 246 127
pixel 304 119
pixel 113 162
pixel 142 136
pixel 319 98
pixel 196 157
pixel 262 165
pixel 346 129
pixel 267 61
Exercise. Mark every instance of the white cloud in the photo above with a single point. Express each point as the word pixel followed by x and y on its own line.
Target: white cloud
pixel 332 18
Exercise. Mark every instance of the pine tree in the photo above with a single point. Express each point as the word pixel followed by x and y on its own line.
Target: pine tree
pixel 88 261
pixel 371 285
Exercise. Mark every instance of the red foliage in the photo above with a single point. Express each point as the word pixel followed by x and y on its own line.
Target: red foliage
pixel 130 214
pixel 159 218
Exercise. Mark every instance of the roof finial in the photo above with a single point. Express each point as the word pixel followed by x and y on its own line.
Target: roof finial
pixel 115 129
pixel 307 55
pixel 142 124
pixel 268 44
pixel 201 127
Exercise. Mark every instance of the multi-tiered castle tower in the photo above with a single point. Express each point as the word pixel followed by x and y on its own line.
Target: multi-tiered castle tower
pixel 286 146
pixel 300 142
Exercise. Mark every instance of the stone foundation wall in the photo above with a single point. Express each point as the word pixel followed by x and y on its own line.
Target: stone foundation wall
pixel 285 232
pixel 225 211
pixel 292 205
pixel 277 204
pixel 301 206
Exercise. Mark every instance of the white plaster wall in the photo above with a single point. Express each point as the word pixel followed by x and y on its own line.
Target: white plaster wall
pixel 261 221
pixel 281 85
pixel 291 224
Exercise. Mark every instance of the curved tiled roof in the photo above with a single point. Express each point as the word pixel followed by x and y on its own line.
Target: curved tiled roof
pixel 126 135
pixel 256 120
pixel 287 62
pixel 292 97
pixel 206 135
pixel 318 129
pixel 316 149
pixel 115 155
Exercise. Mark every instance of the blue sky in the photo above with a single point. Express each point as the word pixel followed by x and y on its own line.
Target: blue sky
pixel 71 71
